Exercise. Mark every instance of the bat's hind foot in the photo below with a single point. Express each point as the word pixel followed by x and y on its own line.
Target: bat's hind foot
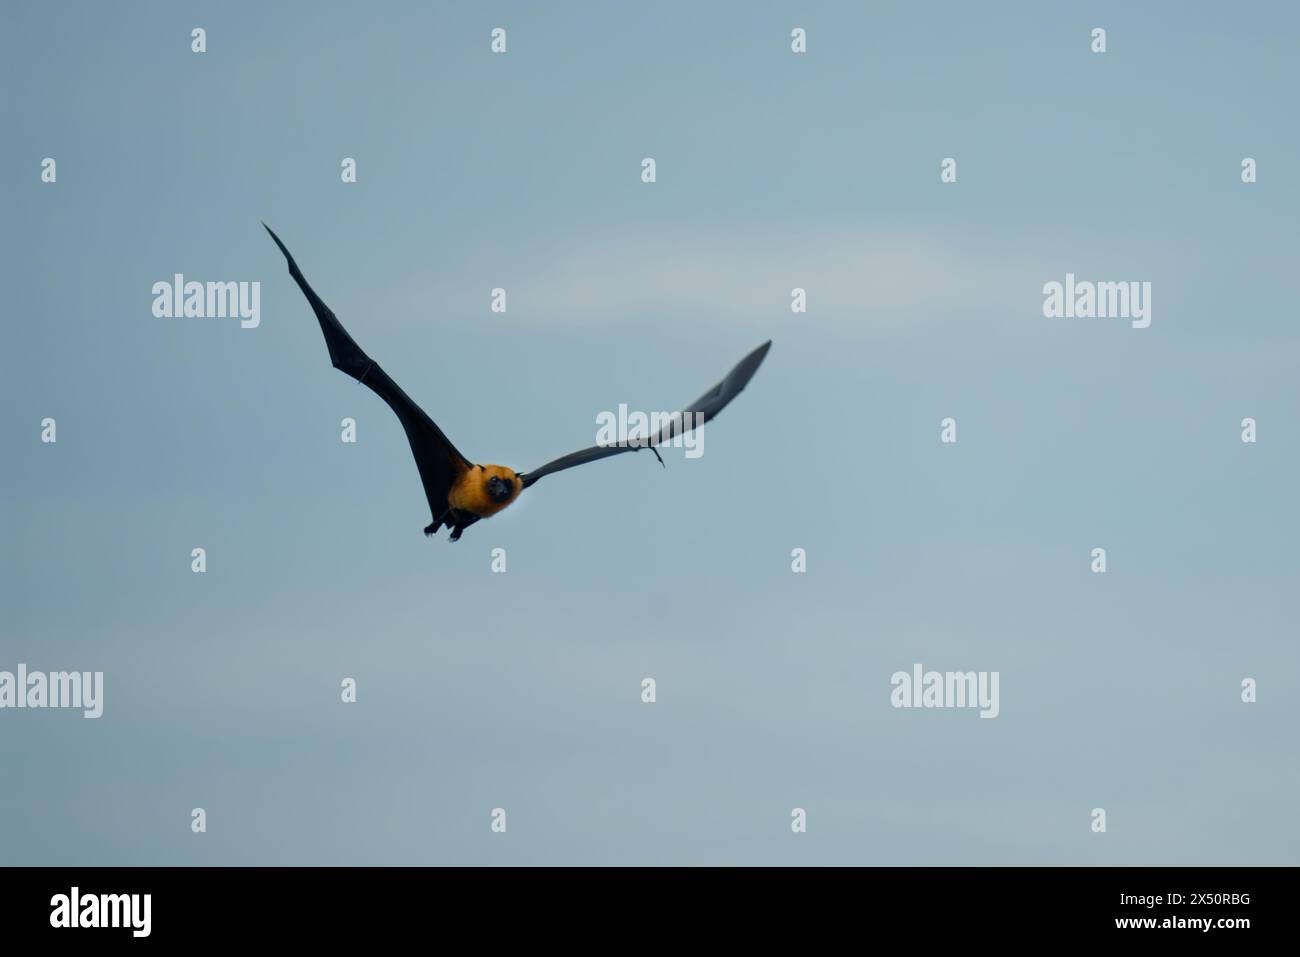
pixel 432 529
pixel 454 519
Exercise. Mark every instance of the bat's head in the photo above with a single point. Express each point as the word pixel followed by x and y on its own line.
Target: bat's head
pixel 502 484
pixel 500 489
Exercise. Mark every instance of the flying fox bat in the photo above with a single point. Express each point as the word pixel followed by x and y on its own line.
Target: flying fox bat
pixel 460 492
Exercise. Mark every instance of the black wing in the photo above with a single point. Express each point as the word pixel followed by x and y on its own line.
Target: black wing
pixel 438 460
pixel 699 412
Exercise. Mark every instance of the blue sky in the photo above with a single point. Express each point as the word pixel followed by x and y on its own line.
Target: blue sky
pixel 480 690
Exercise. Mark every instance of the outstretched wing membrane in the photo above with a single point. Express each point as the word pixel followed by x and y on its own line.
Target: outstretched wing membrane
pixel 697 413
pixel 437 459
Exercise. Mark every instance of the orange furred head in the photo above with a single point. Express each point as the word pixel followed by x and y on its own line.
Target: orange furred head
pixel 485 489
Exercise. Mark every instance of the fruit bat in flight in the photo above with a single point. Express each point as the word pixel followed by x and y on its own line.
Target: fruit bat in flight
pixel 460 492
